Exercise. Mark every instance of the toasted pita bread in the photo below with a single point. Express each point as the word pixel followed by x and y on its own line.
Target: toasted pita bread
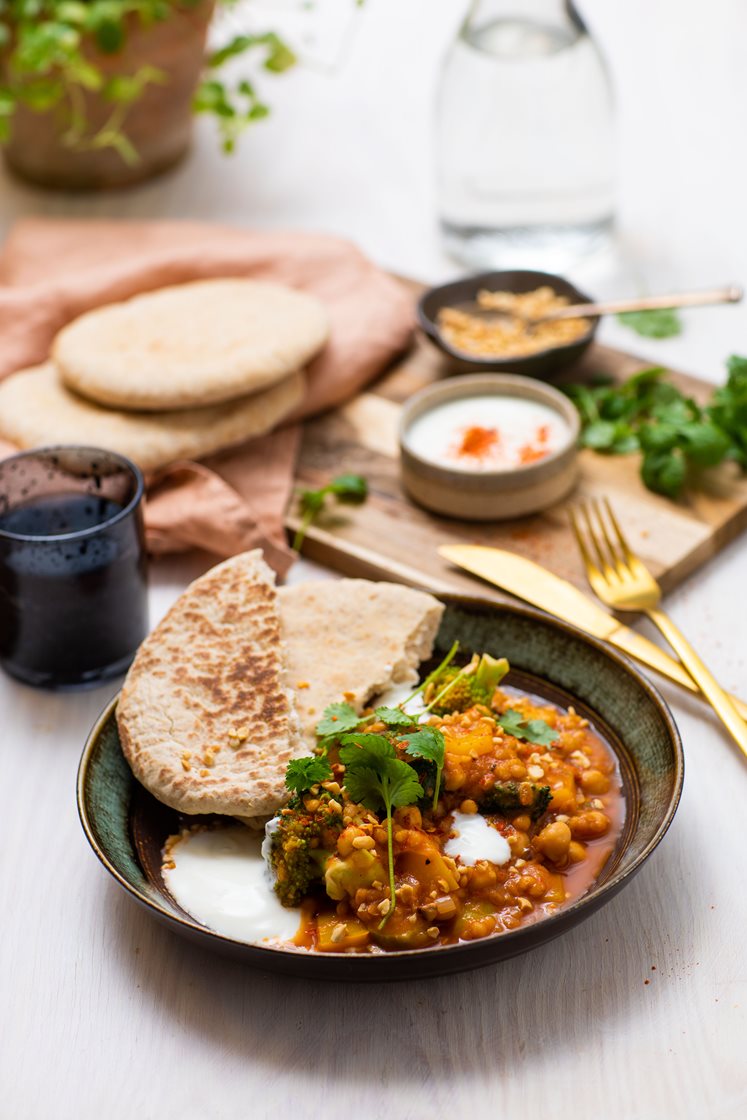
pixel 212 668
pixel 351 639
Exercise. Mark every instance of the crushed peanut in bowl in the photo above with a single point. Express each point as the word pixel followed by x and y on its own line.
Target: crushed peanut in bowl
pixel 512 334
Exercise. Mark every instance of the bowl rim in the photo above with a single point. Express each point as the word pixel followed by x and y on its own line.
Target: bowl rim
pixel 499 385
pixel 478 279
pixel 48 450
pixel 591 900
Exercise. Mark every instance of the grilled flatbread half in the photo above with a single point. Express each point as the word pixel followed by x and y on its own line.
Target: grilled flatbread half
pixel 206 719
pixel 351 639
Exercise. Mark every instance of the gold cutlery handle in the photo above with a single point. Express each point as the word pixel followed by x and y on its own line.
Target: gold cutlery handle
pixel 730 294
pixel 709 686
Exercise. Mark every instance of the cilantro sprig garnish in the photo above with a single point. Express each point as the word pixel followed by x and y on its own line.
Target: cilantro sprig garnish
pixel 678 437
pixel 428 743
pixel 350 489
pixel 394 717
pixel 303 773
pixel 337 719
pixel 376 778
pixel 531 730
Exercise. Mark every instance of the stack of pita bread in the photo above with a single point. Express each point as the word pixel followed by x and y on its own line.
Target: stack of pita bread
pixel 231 683
pixel 175 373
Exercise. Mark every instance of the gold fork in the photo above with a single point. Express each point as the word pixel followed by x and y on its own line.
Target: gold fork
pixel 624 583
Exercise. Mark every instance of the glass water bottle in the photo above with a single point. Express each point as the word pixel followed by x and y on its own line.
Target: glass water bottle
pixel 524 138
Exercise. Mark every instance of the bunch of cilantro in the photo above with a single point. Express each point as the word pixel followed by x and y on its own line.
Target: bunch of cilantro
pixel 677 437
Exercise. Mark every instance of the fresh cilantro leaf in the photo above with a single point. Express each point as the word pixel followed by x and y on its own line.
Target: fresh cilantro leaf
pixel 376 778
pixel 391 784
pixel 303 773
pixel 664 472
pixel 658 437
pixel 394 717
pixel 531 730
pixel 599 435
pixel 674 432
pixel 359 745
pixel 351 489
pixel 336 719
pixel 430 744
pixel 728 409
pixel 705 444
pixel 660 323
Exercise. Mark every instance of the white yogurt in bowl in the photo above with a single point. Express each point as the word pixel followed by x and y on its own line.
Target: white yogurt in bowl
pixel 487 432
pixel 488 447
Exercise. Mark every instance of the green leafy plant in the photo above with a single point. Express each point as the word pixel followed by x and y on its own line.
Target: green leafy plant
pixel 52 59
pixel 376 778
pixel 662 322
pixel 677 437
pixel 349 489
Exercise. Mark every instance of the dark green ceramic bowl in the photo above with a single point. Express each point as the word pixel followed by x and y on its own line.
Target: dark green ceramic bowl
pixel 126 827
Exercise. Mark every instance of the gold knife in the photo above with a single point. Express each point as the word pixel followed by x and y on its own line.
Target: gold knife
pixel 527 580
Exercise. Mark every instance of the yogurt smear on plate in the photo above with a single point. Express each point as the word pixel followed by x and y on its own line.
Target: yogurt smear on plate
pixel 221 879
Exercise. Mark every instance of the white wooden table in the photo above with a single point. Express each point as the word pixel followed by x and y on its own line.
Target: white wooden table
pixel 639 1014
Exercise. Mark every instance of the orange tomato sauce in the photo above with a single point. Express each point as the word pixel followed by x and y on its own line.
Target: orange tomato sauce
pixel 555 854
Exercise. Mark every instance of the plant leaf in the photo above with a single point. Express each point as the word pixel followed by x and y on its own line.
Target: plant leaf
pixel 532 730
pixel 303 773
pixel 337 719
pixel 394 717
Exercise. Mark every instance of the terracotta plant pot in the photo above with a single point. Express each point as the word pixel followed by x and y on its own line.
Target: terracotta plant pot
pixel 158 124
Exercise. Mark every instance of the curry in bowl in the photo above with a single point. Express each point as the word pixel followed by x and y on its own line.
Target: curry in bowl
pixel 466 809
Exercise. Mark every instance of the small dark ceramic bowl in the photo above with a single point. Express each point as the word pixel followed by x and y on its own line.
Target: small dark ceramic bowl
pixel 126 827
pixel 463 293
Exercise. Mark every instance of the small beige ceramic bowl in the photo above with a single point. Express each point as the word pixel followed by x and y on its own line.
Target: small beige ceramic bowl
pixel 489 494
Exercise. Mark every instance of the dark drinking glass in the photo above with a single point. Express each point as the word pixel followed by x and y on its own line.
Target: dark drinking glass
pixel 73 605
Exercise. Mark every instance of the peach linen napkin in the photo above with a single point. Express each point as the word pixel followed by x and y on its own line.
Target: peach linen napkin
pixel 52 270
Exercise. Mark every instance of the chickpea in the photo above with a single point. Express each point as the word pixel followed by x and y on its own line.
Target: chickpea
pixel 483 876
pixel 563 800
pixel 518 843
pixel 479 928
pixel 345 841
pixel 409 817
pixel 523 823
pixel 576 851
pixel 594 782
pixel 468 806
pixel 589 824
pixel 518 771
pixel 554 841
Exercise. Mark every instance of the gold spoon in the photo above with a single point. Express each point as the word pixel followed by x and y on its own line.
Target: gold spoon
pixel 730 294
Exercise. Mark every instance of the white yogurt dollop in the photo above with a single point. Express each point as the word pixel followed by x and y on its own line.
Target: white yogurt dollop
pixel 475 839
pixel 399 692
pixel 519 424
pixel 221 879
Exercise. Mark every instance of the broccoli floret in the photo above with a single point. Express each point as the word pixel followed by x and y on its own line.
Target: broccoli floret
pixel 300 843
pixel 460 689
pixel 506 797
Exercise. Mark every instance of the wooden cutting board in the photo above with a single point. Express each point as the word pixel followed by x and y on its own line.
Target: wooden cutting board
pixel 391 538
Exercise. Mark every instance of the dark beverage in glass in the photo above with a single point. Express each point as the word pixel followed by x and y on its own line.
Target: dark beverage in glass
pixel 73 604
